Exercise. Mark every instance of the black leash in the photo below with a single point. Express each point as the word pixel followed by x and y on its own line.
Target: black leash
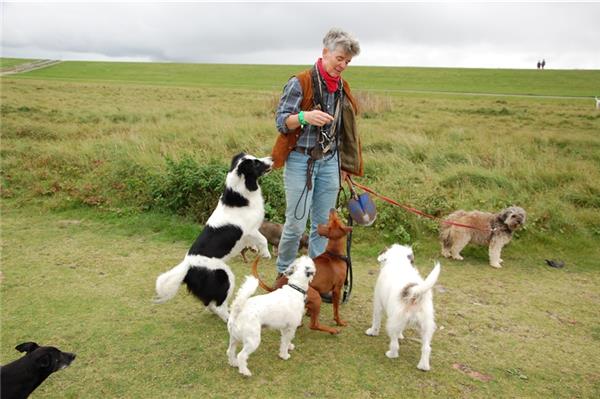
pixel 348 258
pixel 348 282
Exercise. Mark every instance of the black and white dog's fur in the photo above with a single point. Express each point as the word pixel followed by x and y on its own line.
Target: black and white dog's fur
pixel 24 375
pixel 232 226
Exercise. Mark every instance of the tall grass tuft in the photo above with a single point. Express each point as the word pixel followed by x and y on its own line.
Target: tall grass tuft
pixel 372 105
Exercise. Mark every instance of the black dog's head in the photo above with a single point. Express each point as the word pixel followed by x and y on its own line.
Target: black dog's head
pixel 22 376
pixel 47 358
pixel 250 168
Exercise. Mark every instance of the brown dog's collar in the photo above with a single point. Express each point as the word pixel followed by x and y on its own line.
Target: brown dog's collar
pixel 342 257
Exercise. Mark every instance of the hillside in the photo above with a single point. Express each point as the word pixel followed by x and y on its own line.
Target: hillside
pixel 584 83
pixel 109 171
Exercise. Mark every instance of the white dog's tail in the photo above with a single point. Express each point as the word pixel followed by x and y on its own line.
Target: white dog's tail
pixel 246 290
pixel 168 283
pixel 414 292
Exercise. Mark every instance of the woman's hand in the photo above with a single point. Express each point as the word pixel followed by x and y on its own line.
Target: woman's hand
pixel 314 117
pixel 317 118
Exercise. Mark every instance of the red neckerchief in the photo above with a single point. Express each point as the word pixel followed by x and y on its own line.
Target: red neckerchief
pixel 332 82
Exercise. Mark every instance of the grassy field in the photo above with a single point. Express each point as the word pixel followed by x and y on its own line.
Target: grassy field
pixel 583 83
pixel 91 152
pixel 11 62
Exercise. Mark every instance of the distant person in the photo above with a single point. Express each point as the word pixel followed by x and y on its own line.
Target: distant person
pixel 318 149
pixel 543 63
pixel 539 65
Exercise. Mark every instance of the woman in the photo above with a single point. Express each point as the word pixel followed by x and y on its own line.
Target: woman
pixel 318 143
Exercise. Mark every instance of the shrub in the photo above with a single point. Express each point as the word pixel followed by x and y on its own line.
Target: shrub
pixel 191 189
pixel 188 188
pixel 274 194
pixel 392 224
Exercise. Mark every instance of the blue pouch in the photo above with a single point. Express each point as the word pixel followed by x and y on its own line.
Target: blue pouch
pixel 362 209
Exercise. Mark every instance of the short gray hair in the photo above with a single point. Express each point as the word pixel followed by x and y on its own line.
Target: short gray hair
pixel 336 37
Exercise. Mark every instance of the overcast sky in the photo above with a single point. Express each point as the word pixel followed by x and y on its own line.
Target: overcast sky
pixel 446 34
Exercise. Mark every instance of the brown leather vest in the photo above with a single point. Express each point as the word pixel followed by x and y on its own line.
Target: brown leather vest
pixel 350 149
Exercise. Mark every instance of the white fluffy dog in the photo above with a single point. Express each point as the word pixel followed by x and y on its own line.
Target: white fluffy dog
pixel 281 309
pixel 406 298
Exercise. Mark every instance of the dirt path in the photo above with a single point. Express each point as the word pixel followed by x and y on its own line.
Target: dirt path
pixel 30 66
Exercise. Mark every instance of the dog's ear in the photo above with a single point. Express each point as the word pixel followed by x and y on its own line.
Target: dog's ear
pixel 382 256
pixel 290 270
pixel 504 215
pixel 235 160
pixel 27 347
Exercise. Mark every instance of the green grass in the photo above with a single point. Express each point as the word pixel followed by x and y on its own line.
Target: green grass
pixel 583 83
pixel 84 234
pixel 6 63
pixel 85 284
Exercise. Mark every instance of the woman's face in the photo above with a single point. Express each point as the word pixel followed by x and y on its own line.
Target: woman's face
pixel 335 62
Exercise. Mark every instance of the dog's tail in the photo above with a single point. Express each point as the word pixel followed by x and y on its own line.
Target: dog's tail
pixel 168 283
pixel 445 228
pixel 246 290
pixel 413 292
pixel 445 236
pixel 262 284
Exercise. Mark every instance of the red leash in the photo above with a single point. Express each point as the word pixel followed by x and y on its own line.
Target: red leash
pixel 411 209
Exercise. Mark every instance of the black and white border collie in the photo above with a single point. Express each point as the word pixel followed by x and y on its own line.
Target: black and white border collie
pixel 231 227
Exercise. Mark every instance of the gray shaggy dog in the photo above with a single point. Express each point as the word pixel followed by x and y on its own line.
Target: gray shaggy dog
pixel 492 229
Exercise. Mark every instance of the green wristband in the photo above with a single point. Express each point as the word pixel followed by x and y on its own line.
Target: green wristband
pixel 301 119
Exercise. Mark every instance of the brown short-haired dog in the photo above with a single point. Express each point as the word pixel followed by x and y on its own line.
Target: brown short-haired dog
pixel 330 276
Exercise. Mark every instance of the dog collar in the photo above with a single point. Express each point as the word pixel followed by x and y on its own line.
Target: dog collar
pixel 297 289
pixel 342 257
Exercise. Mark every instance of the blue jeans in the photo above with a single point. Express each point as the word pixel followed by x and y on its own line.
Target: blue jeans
pixel 301 203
